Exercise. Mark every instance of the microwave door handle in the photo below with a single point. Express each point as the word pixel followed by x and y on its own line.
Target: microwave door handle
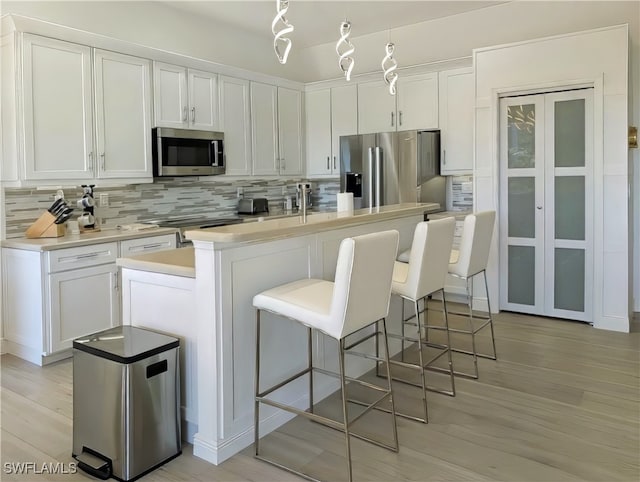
pixel 214 160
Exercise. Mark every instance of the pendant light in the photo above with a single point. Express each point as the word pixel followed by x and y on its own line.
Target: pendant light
pixel 344 49
pixel 281 44
pixel 389 66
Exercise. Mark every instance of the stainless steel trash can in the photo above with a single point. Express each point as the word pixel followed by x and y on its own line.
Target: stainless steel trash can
pixel 126 402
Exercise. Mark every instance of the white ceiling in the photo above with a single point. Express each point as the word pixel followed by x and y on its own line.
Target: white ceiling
pixel 317 21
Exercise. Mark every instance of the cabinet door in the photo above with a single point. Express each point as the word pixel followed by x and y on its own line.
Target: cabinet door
pixel 9 171
pixel 290 131
pixel 235 122
pixel 170 95
pixel 58 140
pixel 376 108
pixel 123 115
pixel 344 119
pixel 203 100
pixel 318 128
pixel 81 302
pixel 457 101
pixel 418 102
pixel 264 109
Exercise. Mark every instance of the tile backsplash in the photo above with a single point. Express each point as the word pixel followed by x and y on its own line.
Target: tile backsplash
pixel 166 197
pixel 461 198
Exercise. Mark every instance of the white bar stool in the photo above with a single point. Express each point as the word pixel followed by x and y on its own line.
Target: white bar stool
pixel 472 260
pixel 359 297
pixel 423 275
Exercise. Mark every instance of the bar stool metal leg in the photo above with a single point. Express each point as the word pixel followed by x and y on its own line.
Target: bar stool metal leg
pixel 256 406
pixel 345 411
pixel 446 325
pixel 421 358
pixel 393 406
pixel 493 338
pixel 310 354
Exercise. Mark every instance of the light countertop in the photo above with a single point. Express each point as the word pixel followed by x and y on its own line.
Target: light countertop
pixel 82 239
pixel 296 226
pixel 177 262
pixel 459 215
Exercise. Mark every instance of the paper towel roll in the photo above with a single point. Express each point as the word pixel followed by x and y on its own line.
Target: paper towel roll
pixel 345 202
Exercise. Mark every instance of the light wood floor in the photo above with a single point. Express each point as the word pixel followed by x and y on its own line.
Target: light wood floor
pixel 562 403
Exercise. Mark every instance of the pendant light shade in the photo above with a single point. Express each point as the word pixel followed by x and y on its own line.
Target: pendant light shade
pixel 281 44
pixel 344 49
pixel 389 66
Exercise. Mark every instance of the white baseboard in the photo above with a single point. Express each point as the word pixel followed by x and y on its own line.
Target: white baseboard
pixel 32 355
pixel 613 323
pixel 217 452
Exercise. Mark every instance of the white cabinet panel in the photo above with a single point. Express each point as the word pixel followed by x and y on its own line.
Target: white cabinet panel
pixel 276 126
pixel 290 131
pixel 416 108
pixel 185 98
pixel 318 128
pixel 8 122
pixel 330 113
pixel 83 301
pixel 376 108
pixel 203 100
pixel 344 119
pixel 58 141
pixel 81 257
pixel 123 115
pixel 457 102
pixel 264 109
pixel 417 102
pixel 235 122
pixel 170 95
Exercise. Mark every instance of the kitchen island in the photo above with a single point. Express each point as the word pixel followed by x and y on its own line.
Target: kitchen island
pixel 214 316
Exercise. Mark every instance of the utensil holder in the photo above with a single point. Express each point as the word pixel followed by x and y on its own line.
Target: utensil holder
pixel 45 227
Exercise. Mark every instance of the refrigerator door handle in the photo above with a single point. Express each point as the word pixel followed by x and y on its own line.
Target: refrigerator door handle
pixel 378 176
pixel 370 177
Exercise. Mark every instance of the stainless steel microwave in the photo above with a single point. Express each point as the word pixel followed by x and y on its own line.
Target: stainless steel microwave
pixel 182 152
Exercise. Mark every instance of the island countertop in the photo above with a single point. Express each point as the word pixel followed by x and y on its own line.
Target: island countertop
pixel 177 262
pixel 296 226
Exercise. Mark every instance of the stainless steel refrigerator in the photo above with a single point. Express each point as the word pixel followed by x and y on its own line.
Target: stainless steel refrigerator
pixel 392 167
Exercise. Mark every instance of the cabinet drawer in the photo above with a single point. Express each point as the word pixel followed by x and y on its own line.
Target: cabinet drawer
pixel 82 257
pixel 147 245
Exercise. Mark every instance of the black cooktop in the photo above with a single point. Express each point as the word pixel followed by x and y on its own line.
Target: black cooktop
pixel 197 223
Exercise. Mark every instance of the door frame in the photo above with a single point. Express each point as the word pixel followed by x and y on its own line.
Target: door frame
pixel 597 83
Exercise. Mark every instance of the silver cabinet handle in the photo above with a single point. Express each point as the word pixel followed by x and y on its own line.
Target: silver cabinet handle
pixel 193 115
pixel 282 164
pixel 334 163
pixel 102 160
pixel 328 165
pixel 444 156
pixel 91 161
pixel 147 246
pixel 400 117
pixel 184 114
pixel 392 119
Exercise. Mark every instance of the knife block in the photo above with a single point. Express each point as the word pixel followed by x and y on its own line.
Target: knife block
pixel 45 227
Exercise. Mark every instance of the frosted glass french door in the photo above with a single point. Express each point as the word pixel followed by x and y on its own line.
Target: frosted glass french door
pixel 546 204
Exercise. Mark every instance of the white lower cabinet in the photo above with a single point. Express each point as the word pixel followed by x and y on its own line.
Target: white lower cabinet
pixel 52 297
pixel 81 301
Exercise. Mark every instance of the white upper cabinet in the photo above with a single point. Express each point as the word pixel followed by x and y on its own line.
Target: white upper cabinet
pixel 344 119
pixel 330 113
pixel 318 129
pixel 416 108
pixel 276 123
pixel 376 108
pixel 203 100
pixel 264 121
pixel 184 98
pixel 457 101
pixel 123 115
pixel 417 102
pixel 235 122
pixel 58 140
pixel 290 131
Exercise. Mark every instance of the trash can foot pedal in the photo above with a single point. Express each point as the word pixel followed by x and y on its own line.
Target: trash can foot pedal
pixel 94 464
